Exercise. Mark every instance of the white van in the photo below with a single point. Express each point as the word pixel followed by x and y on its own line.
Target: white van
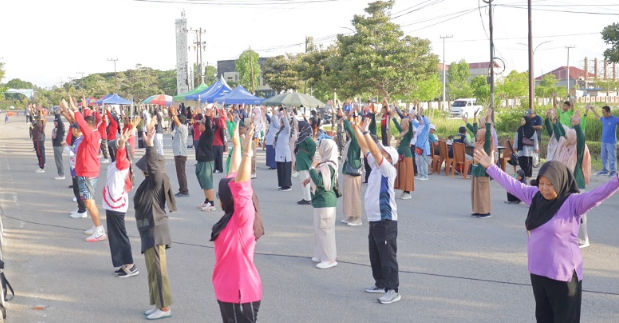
pixel 464 107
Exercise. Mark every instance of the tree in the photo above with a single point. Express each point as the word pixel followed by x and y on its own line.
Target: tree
pixel 515 85
pixel 1 71
pixel 379 59
pixel 481 89
pixel 210 75
pixel 547 87
pixel 428 89
pixel 280 74
pixel 249 70
pixel 458 76
pixel 19 84
pixel 610 35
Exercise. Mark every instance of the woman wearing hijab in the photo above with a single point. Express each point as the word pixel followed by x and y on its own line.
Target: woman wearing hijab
pixel 283 155
pixel 236 281
pixel 555 209
pixel 405 180
pixel 511 199
pixel 150 201
pixel 323 178
pixel 269 140
pixel 304 152
pixel 480 182
pixel 526 143
pixel 351 176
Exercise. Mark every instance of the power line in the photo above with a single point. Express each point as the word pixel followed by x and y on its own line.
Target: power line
pixel 565 11
pixel 240 3
pixel 428 3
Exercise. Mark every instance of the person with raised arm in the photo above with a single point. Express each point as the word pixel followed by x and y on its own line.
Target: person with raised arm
pixel 480 182
pixel 150 201
pixel 283 155
pixel 236 280
pixel 609 140
pixel 555 209
pixel 405 180
pixel 87 166
pixel 206 160
pixel 179 149
pixel 382 214
pixel 351 175
pixel 38 138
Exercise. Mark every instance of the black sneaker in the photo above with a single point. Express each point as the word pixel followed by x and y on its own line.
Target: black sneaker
pixel 487 215
pixel 128 272
pixel 304 202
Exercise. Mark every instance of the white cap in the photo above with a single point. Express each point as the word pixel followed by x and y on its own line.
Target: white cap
pixel 393 153
pixel 432 127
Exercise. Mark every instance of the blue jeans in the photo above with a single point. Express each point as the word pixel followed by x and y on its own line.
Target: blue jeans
pixel 609 157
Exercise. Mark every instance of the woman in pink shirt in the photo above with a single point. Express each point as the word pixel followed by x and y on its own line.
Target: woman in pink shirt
pixel 235 278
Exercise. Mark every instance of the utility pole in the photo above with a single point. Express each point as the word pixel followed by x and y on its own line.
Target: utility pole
pixel 253 82
pixel 444 69
pixel 531 70
pixel 114 60
pixel 491 58
pixel 568 68
pixel 200 46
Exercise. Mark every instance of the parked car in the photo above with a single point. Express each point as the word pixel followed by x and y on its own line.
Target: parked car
pixel 464 107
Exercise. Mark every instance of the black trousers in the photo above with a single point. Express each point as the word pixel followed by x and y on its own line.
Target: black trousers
pixel 284 174
pixel 368 169
pixel 81 207
pixel 120 246
pixel 526 164
pixel 180 162
pixel 512 198
pixel 383 254
pixel 39 148
pixel 219 158
pixel 557 301
pixel 239 313
pixel 111 147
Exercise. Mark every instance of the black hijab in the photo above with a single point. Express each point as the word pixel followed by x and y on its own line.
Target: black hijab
pixel 227 205
pixel 525 130
pixel 541 209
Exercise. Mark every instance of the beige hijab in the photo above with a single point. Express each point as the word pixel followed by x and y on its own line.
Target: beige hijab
pixel 328 157
pixel 564 150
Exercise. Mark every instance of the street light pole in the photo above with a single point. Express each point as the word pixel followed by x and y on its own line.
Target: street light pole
pixel 444 77
pixel 568 68
pixel 531 53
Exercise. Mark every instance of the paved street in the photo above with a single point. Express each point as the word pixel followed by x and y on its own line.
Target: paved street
pixel 453 268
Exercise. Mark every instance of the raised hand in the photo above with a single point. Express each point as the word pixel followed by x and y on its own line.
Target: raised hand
pixel 236 141
pixel 483 158
pixel 465 119
pixel 122 139
pixel 365 125
pixel 575 119
pixel 248 140
pixel 149 137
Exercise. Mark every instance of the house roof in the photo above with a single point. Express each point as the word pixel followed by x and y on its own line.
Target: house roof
pixel 471 65
pixel 561 73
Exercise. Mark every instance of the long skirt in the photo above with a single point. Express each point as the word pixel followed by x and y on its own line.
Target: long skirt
pixel 480 194
pixel 271 157
pixel 406 176
pixel 324 233
pixel 351 187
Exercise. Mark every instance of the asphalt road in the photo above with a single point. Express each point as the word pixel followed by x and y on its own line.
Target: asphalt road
pixel 453 268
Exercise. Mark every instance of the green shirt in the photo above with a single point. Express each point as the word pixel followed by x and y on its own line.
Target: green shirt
pixel 372 127
pixel 404 148
pixel 305 153
pixel 353 155
pixel 565 117
pixel 322 198
pixel 478 169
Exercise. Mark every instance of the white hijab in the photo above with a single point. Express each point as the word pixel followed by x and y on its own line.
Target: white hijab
pixel 328 157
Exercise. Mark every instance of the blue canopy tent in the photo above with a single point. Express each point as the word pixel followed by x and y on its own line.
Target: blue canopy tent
pixel 101 100
pixel 115 99
pixel 239 96
pixel 214 91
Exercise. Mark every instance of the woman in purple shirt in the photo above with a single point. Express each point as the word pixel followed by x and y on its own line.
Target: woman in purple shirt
pixel 555 262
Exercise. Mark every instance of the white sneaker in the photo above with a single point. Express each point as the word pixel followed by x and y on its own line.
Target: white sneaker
pixel 253 176
pixel 391 296
pixel 406 196
pixel 150 311
pixel 345 221
pixel 98 235
pixel 315 259
pixel 295 174
pixel 208 207
pixel 326 264
pixel 425 178
pixel 74 199
pixel 354 223
pixel 59 178
pixel 159 314
pixel 90 231
pixel 76 215
pixel 40 171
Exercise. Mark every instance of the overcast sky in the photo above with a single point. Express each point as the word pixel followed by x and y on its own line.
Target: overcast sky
pixel 47 42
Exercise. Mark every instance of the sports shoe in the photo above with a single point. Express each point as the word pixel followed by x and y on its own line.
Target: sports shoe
pixel 511 202
pixel 354 223
pixel 406 196
pixel 295 174
pixel 425 178
pixel 150 311
pixel 481 216
pixel 603 172
pixel 59 178
pixel 315 259
pixel 304 202
pixel 584 244
pixel 286 189
pixel 40 171
pixel 74 199
pixel 90 231
pixel 253 176
pixel 374 289
pixel 159 314
pixel 127 272
pixel 345 221
pixel 391 296
pixel 208 207
pixel 181 194
pixel 613 173
pixel 97 236
pixel 77 215
pixel 326 264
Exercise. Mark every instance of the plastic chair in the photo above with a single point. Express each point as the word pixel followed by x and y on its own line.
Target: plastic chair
pixel 435 158
pixel 444 157
pixel 460 159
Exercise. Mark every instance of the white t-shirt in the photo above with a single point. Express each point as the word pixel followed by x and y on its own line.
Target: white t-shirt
pixel 379 194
